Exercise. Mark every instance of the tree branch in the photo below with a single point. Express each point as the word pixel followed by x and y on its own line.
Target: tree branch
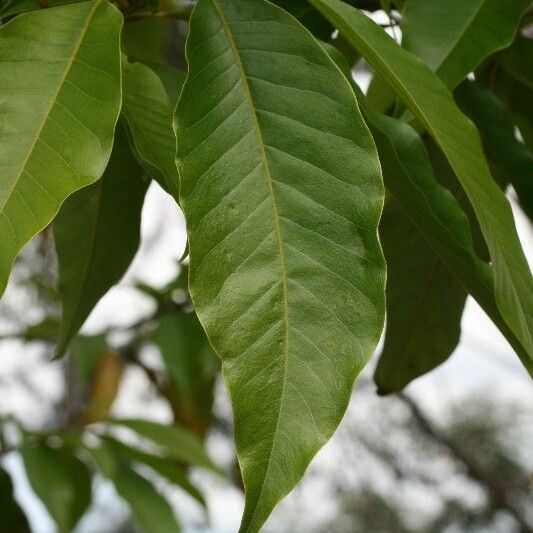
pixel 497 493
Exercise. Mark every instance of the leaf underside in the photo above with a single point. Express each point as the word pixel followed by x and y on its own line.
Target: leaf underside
pixel 425 304
pixel 97 234
pixel 281 189
pixel 59 102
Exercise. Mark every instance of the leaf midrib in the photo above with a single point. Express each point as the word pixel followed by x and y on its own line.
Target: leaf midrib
pixel 277 225
pixel 53 99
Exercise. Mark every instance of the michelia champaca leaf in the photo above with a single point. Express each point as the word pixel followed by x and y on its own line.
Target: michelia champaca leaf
pixel 282 192
pixel 149 509
pixel 173 440
pixel 453 37
pixel 59 102
pixel 97 234
pixel 166 467
pixel 61 481
pixel 150 122
pixel 437 217
pixel 424 304
pixel 14 7
pixel 433 105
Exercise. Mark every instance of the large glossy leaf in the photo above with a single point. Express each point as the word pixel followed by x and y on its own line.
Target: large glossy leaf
pixel 173 441
pixel 454 36
pixel 432 104
pixel 61 481
pixel 59 102
pixel 513 159
pixel 97 235
pixel 281 188
pixel 148 113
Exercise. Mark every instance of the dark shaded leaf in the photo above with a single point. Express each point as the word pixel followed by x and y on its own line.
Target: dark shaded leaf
pixel 97 235
pixel 457 137
pixel 150 510
pixel 512 157
pixel 166 467
pixel 424 304
pixel 12 517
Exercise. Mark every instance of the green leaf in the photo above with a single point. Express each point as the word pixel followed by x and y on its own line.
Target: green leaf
pixel 146 108
pixel 150 510
pixel 511 77
pixel 46 329
pixel 436 214
pixel 164 466
pixel 97 235
pixel 512 157
pixel 59 103
pixel 282 192
pixel 425 237
pixel 171 78
pixel 454 36
pixel 61 481
pixel 12 517
pixel 430 212
pixel 432 104
pixel 14 7
pixel 173 441
pixel 424 304
pixel 192 366
pixel 381 96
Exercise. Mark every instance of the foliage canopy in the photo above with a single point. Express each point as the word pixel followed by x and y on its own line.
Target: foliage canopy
pixel 313 210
